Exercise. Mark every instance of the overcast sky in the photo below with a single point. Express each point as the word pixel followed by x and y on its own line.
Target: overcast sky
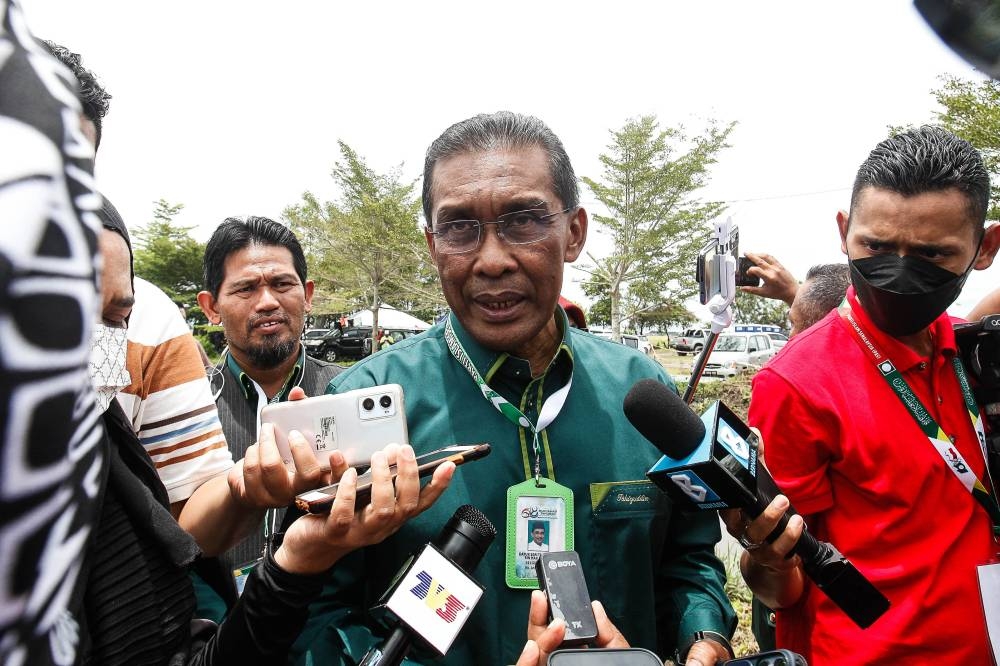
pixel 235 107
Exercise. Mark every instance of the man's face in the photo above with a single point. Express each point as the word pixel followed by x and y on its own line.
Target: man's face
pixel 117 297
pixel 503 294
pixel 934 226
pixel 538 534
pixel 261 304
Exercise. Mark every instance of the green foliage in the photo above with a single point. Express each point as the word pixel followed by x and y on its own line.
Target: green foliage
pixel 656 224
pixel 167 256
pixel 753 309
pixel 971 109
pixel 733 391
pixel 366 248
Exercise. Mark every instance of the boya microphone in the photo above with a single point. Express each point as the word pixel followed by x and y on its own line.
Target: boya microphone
pixel 711 463
pixel 434 593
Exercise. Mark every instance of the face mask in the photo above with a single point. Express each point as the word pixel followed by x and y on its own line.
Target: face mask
pixel 903 295
pixel 108 373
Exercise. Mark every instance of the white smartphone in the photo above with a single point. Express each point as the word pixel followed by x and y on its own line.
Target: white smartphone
pixel 358 423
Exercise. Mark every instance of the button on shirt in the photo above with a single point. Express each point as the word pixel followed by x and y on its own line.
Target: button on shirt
pixel 850 457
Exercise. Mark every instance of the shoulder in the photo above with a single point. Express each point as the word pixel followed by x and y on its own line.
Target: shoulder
pixel 412 359
pixel 321 370
pixel 155 318
pixel 613 360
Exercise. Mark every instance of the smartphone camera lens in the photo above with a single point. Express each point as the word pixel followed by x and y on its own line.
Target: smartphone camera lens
pixel 385 401
pixel 368 404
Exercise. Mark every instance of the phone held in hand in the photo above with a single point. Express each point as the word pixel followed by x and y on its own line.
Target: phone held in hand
pixel 770 658
pixel 743 264
pixel 321 499
pixel 358 423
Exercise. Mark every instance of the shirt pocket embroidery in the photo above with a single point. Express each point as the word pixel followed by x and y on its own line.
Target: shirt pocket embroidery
pixel 626 499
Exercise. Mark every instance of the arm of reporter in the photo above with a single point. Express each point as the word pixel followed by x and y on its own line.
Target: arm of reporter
pixel 544 637
pixel 223 511
pixel 274 606
pixel 776 579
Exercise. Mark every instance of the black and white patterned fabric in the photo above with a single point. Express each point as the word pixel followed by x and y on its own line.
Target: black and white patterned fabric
pixel 52 468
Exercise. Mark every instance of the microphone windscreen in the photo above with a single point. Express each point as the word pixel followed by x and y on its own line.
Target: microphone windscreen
pixel 663 418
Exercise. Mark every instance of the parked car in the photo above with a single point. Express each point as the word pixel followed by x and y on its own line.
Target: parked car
pixel 778 339
pixel 640 342
pixel 691 341
pixel 777 335
pixel 739 351
pixel 356 342
pixel 320 342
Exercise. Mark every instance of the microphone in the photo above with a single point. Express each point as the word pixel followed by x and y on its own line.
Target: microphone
pixel 711 463
pixel 434 593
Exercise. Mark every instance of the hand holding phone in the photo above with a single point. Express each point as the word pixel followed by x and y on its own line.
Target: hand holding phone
pixel 321 500
pixel 314 543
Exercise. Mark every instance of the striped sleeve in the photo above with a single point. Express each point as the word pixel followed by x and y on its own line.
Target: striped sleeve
pixel 170 400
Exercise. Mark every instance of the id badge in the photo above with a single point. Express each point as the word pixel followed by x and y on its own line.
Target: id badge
pixel 241 574
pixel 539 520
pixel 989 594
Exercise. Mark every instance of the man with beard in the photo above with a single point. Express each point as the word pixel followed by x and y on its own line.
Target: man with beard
pixel 256 288
pixel 870 427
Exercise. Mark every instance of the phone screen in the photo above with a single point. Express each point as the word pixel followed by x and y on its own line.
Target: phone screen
pixel 708 271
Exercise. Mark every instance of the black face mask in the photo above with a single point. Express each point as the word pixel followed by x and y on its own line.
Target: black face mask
pixel 903 295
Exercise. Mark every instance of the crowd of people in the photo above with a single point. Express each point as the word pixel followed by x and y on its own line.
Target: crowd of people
pixel 147 514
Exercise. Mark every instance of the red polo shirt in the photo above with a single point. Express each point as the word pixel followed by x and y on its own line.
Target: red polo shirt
pixel 852 459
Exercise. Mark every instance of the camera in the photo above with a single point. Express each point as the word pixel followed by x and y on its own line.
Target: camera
pixel 743 264
pixel 979 349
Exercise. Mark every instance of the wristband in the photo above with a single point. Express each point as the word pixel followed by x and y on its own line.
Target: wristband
pixel 682 654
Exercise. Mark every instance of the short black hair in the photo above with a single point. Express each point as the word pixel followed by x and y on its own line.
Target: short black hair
pixel 94 98
pixel 823 290
pixel 502 130
pixel 927 159
pixel 236 233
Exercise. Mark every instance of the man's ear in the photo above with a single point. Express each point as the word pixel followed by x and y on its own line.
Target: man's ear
pixel 576 236
pixel 207 304
pixel 310 287
pixel 843 221
pixel 988 248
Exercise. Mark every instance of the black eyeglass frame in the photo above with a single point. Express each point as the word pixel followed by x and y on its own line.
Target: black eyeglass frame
pixel 479 224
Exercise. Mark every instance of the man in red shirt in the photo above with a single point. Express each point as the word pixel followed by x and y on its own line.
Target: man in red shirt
pixel 838 410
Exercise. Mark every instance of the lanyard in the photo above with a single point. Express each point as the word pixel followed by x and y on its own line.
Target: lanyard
pixel 550 408
pixel 935 435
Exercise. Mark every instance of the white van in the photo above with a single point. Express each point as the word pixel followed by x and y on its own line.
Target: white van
pixel 739 351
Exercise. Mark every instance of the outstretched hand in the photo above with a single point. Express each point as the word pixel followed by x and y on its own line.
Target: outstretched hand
pixel 779 283
pixel 545 637
pixel 314 543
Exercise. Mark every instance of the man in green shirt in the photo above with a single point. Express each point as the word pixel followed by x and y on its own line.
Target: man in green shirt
pixel 501 203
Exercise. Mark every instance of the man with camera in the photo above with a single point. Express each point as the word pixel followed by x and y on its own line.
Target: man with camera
pixel 501 203
pixel 871 428
pixel 256 288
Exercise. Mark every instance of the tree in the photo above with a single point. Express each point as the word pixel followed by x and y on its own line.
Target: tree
pixel 655 223
pixel 366 248
pixel 971 110
pixel 167 256
pixel 753 309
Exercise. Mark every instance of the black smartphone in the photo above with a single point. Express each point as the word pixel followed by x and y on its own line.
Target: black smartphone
pixel 321 499
pixel 604 657
pixel 770 658
pixel 743 264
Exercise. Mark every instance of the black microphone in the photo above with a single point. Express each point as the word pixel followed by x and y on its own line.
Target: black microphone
pixel 434 593
pixel 711 463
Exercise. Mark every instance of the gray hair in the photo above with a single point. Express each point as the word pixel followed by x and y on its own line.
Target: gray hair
pixel 927 159
pixel 502 130
pixel 823 290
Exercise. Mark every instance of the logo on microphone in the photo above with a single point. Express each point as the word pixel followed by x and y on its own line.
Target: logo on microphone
pixel 437 597
pixel 692 486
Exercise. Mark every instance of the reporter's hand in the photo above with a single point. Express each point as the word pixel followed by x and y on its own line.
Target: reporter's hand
pixel 779 283
pixel 314 543
pixel 545 637
pixel 262 481
pixel 772 556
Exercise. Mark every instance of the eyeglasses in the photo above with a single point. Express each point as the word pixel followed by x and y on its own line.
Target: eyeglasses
pixel 518 228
